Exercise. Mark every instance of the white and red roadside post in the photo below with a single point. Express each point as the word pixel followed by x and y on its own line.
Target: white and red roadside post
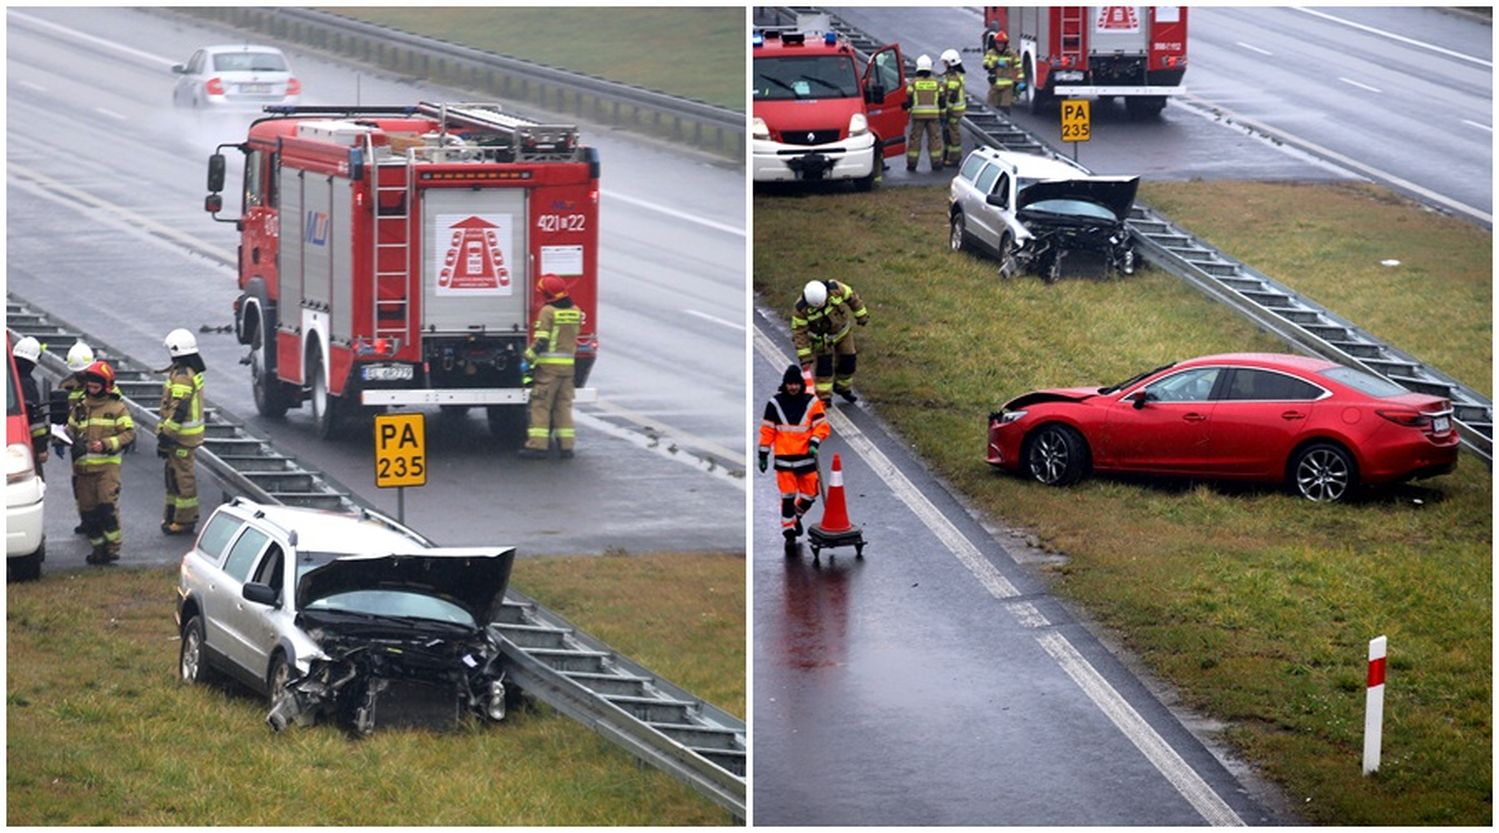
pixel 1374 705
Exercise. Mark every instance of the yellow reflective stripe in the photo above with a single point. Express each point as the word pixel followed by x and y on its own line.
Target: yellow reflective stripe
pixel 565 432
pixel 803 352
pixel 536 432
pixel 114 536
pixel 92 459
pixel 567 316
pixel 553 360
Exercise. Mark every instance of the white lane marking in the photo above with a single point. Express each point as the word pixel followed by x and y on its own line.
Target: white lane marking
pixel 30 86
pixel 1254 48
pixel 998 586
pixel 1360 86
pixel 1155 748
pixel 669 434
pixel 663 447
pixel 715 319
pixel 1479 126
pixel 1345 161
pixel 112 114
pixel 1392 36
pixel 87 38
pixel 168 62
pixel 1160 754
pixel 672 212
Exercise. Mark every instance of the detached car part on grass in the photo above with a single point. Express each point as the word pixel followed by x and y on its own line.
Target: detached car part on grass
pixel 1319 427
pixel 1032 212
pixel 379 631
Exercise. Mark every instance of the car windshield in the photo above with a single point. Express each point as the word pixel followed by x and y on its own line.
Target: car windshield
pixel 1363 382
pixel 805 76
pixel 1135 378
pixel 402 604
pixel 249 62
pixel 1072 208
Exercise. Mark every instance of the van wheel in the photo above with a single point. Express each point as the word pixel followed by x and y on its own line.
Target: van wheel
pixel 867 183
pixel 26 567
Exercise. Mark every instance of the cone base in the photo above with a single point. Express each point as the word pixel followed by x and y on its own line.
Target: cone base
pixel 851 536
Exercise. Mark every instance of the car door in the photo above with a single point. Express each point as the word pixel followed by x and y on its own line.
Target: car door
pixel 1169 432
pixel 1258 419
pixel 235 613
pixel 884 95
pixel 984 221
pixel 204 574
pixel 189 80
pixel 260 624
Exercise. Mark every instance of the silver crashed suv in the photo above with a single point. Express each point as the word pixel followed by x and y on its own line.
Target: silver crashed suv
pixel 348 617
pixel 1032 211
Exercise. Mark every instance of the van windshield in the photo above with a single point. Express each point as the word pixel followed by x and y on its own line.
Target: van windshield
pixel 805 76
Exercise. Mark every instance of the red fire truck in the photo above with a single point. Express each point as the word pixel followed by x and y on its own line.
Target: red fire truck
pixel 388 256
pixel 1138 53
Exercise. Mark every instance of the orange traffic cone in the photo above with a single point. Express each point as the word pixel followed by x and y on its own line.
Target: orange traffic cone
pixel 835 529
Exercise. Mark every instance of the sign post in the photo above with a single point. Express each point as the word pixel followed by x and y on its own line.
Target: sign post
pixel 1076 123
pixel 1374 705
pixel 400 455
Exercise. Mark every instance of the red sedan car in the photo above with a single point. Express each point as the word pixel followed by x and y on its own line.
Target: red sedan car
pixel 1320 427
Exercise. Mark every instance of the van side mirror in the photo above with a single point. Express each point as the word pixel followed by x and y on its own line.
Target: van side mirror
pixel 216 172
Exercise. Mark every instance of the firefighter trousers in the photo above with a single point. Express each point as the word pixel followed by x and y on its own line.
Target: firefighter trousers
pixel 932 130
pixel 953 141
pixel 182 487
pixel 552 408
pixel 798 492
pixel 834 369
pixel 1002 97
pixel 98 494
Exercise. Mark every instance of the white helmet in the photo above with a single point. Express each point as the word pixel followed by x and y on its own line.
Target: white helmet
pixel 950 57
pixel 924 63
pixel 815 293
pixel 28 348
pixel 80 355
pixel 180 342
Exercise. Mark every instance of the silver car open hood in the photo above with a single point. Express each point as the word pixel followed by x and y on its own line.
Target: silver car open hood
pixel 472 578
pixel 1116 193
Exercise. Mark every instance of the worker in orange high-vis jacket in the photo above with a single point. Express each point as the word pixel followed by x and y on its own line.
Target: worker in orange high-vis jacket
pixel 793 427
pixel 101 429
pixel 549 371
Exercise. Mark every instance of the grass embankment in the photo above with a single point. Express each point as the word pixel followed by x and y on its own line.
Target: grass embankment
pixel 1327 241
pixel 1256 605
pixel 99 730
pixel 692 52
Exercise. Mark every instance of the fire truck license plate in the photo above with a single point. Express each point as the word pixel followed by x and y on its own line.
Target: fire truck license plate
pixel 387 372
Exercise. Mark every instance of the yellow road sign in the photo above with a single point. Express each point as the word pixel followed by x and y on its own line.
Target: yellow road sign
pixel 400 450
pixel 1076 126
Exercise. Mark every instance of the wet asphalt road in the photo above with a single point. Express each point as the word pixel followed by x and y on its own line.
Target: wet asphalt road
pixel 1427 121
pixel 105 228
pixel 917 687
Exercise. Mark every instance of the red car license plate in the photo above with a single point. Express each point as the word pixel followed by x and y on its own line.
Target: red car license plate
pixel 1439 425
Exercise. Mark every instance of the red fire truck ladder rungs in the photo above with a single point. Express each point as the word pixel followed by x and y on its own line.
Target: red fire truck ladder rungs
pixel 1073 19
pixel 392 315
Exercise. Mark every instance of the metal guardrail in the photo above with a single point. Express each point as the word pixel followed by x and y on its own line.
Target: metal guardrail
pixel 1269 304
pixel 657 722
pixel 708 126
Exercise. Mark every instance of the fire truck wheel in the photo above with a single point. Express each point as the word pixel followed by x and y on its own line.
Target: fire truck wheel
pixel 1145 107
pixel 1036 101
pixel 326 408
pixel 271 399
pixel 507 423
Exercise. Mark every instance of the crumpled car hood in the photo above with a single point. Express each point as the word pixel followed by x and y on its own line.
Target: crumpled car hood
pixel 472 578
pixel 1050 395
pixel 1116 193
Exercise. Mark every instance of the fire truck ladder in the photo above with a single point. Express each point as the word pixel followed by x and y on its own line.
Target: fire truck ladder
pixel 657 722
pixel 528 141
pixel 392 242
pixel 1072 20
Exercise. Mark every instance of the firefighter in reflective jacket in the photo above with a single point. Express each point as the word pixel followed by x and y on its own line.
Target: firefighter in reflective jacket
pixel 549 369
pixel 101 429
pixel 793 427
pixel 955 96
pixel 1006 74
pixel 180 432
pixel 28 351
pixel 67 394
pixel 822 332
pixel 924 100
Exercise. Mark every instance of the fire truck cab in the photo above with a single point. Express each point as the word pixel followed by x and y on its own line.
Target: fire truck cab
pixel 816 117
pixel 1138 53
pixel 389 255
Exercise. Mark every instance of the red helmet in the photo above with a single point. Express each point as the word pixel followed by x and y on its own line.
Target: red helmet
pixel 1001 37
pixel 102 371
pixel 552 286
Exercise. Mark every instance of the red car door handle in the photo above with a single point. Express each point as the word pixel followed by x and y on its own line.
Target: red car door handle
pixel 1193 417
pixel 1292 415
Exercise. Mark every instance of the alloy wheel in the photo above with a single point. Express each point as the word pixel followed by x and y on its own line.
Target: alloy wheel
pixel 1322 475
pixel 1049 457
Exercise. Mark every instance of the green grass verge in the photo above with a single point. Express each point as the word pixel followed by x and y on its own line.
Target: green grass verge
pixel 692 52
pixel 1327 241
pixel 1257 606
pixel 100 732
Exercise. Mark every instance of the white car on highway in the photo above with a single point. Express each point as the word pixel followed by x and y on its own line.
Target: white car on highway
pixel 242 75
